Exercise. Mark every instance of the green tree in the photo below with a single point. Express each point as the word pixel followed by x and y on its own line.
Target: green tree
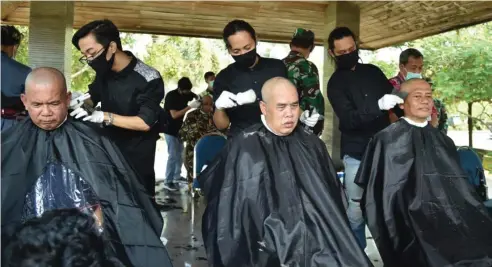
pixel 460 64
pixel 175 57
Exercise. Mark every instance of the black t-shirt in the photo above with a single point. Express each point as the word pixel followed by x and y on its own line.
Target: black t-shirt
pixel 237 80
pixel 175 101
pixel 354 96
pixel 137 90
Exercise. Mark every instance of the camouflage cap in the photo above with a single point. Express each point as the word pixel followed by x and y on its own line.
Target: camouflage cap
pixel 303 33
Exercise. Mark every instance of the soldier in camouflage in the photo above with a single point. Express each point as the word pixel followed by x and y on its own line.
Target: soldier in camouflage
pixel 304 75
pixel 196 124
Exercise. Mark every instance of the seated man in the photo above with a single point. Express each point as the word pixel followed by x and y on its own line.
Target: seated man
pixel 197 123
pixel 51 162
pixel 418 203
pixel 273 195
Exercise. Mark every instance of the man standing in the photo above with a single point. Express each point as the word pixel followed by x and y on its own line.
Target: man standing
pixel 209 79
pixel 13 77
pixel 304 75
pixel 360 96
pixel 237 88
pixel 198 123
pixel 130 93
pixel 176 104
pixel 268 202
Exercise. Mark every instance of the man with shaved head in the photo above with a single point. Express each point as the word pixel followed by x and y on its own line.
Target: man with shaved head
pixel 50 162
pixel 418 203
pixel 273 195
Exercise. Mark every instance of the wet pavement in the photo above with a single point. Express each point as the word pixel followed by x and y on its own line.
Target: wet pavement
pixel 182 229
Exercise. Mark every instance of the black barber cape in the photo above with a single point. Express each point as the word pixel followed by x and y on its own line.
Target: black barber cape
pixel 276 200
pixel 77 156
pixel 418 203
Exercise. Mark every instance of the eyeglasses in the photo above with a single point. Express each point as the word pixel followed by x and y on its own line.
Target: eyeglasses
pixel 88 60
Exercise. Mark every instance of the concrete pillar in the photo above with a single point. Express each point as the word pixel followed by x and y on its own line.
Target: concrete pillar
pixel 337 14
pixel 50 35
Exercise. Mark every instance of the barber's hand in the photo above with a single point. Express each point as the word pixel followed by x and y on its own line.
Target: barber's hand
pixel 247 97
pixel 310 120
pixel 79 112
pixel 96 117
pixel 194 103
pixel 389 101
pixel 226 100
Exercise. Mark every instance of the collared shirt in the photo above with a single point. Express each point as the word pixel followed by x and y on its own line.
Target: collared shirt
pixel 354 96
pixel 14 76
pixel 304 75
pixel 137 90
pixel 237 80
pixel 397 81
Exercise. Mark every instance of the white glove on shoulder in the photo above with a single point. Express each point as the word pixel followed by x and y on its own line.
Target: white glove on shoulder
pixel 226 100
pixel 247 97
pixel 194 103
pixel 79 112
pixel 389 101
pixel 310 120
pixel 96 117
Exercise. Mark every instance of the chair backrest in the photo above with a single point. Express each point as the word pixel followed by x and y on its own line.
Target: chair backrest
pixel 205 151
pixel 472 165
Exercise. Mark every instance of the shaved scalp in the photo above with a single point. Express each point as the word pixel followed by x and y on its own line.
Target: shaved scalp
pixel 47 77
pixel 409 86
pixel 207 97
pixel 268 86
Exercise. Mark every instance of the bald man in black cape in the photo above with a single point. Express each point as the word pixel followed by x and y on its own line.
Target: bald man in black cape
pixel 273 195
pixel 51 162
pixel 418 203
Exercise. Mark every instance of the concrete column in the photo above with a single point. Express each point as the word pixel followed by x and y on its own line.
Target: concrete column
pixel 337 14
pixel 50 35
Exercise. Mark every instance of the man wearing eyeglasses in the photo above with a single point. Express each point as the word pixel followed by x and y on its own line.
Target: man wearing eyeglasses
pixel 129 92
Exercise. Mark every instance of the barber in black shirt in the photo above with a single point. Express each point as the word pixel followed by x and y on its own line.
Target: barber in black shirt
pixel 237 88
pixel 129 92
pixel 360 96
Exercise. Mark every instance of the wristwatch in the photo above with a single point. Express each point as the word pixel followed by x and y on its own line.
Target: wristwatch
pixel 110 121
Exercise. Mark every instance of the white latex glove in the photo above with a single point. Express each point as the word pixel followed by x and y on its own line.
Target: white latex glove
pixel 226 100
pixel 310 120
pixel 194 103
pixel 247 97
pixel 79 112
pixel 96 117
pixel 388 102
pixel 77 100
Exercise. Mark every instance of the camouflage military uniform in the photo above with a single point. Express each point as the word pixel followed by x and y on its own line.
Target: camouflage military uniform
pixel 442 115
pixel 196 125
pixel 304 75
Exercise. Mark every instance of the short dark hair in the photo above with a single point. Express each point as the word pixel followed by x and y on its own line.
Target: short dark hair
pixel 62 238
pixel 237 26
pixel 410 52
pixel 104 31
pixel 339 33
pixel 11 36
pixel 208 74
pixel 185 84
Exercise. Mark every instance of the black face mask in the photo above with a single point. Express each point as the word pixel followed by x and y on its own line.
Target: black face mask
pixel 347 61
pixel 101 65
pixel 246 60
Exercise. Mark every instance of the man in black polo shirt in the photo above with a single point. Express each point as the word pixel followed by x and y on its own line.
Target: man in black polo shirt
pixel 237 88
pixel 360 96
pixel 129 92
pixel 176 104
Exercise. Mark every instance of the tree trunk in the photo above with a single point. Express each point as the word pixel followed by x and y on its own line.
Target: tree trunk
pixel 470 125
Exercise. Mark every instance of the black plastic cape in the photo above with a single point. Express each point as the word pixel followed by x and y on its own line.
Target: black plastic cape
pixel 418 203
pixel 130 220
pixel 276 200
